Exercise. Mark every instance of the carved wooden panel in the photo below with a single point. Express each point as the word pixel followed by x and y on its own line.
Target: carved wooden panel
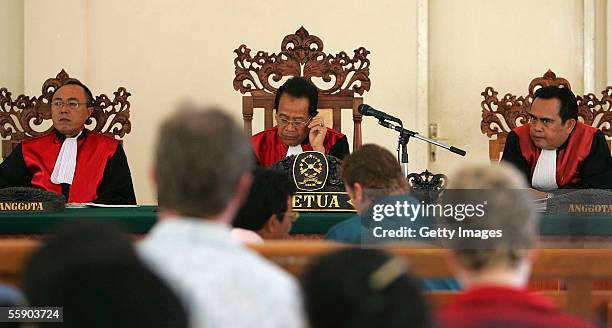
pixel 500 116
pixel 301 54
pixel 22 117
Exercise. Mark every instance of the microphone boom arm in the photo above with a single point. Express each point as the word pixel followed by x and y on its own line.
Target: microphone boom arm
pixel 405 133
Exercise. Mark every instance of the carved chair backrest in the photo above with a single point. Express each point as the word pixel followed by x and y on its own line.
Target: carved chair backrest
pixel 302 55
pixel 25 117
pixel 500 116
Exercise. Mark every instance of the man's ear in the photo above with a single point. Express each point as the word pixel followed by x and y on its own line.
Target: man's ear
pixel 271 225
pixel 358 191
pixel 153 176
pixel 570 124
pixel 90 109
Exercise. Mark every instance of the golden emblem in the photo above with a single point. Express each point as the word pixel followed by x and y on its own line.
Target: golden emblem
pixel 310 170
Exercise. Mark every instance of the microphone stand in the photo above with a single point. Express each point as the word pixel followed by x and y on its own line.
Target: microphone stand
pixel 404 137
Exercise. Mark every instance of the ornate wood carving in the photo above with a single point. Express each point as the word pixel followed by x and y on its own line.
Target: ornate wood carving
pixel 301 54
pixel 426 186
pixel 22 117
pixel 500 116
pixel 427 181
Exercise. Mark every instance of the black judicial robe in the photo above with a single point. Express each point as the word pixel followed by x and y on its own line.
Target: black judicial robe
pixel 101 175
pixel 583 161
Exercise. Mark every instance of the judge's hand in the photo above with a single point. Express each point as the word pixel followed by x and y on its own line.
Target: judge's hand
pixel 317 134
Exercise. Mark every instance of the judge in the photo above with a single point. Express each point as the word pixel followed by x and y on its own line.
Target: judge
pixel 82 165
pixel 554 150
pixel 299 128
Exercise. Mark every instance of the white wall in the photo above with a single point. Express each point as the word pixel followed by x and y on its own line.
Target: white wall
pixel 11 56
pixel 609 41
pixel 480 43
pixel 55 38
pixel 166 51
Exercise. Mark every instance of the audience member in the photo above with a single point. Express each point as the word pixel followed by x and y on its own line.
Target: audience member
pixel 92 270
pixel 362 288
pixel 202 171
pixel 495 277
pixel 267 210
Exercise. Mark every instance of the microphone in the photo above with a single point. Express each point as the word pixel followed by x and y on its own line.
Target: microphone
pixel 366 110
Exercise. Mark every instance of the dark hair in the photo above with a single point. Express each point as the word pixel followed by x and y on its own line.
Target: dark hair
pixel 299 87
pixel 88 94
pixel 569 107
pixel 361 288
pixel 200 157
pixel 90 268
pixel 376 169
pixel 268 196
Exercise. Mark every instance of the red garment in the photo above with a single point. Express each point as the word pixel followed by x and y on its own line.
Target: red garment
pixel 569 158
pixel 269 148
pixel 93 152
pixel 496 306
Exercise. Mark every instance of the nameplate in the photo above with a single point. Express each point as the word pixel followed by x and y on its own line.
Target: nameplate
pixel 322 201
pixel 27 207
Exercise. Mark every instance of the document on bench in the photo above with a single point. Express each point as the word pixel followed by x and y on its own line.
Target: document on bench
pixel 109 205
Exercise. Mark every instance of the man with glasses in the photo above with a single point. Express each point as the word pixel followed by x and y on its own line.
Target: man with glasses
pixel 267 213
pixel 554 150
pixel 82 165
pixel 299 128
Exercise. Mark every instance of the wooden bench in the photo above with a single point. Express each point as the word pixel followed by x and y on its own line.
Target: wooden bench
pixel 578 268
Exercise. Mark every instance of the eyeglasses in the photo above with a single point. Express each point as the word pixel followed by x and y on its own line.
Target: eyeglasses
pixel 293 216
pixel 296 123
pixel 72 104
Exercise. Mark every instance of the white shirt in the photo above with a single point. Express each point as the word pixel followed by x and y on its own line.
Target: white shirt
pixel 246 236
pixel 222 283
pixel 545 172
pixel 294 150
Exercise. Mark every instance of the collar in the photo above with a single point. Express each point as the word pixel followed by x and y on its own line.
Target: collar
pixel 190 230
pixel 62 137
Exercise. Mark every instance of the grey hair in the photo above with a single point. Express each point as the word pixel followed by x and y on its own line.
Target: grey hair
pixel 200 157
pixel 510 208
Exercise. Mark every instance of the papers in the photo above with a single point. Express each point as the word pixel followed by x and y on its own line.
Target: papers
pixel 76 205
pixel 108 206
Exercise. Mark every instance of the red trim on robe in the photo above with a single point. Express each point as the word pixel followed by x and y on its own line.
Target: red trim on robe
pixel 569 159
pixel 269 148
pixel 93 152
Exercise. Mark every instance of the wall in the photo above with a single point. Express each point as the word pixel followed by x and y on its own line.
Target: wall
pixel 480 43
pixel 609 41
pixel 11 56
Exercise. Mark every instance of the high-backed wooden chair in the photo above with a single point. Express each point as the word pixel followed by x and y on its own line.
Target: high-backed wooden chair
pixel 302 54
pixel 25 117
pixel 500 116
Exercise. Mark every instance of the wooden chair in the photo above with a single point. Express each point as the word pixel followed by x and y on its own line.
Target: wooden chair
pixel 302 54
pixel 25 117
pixel 500 116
